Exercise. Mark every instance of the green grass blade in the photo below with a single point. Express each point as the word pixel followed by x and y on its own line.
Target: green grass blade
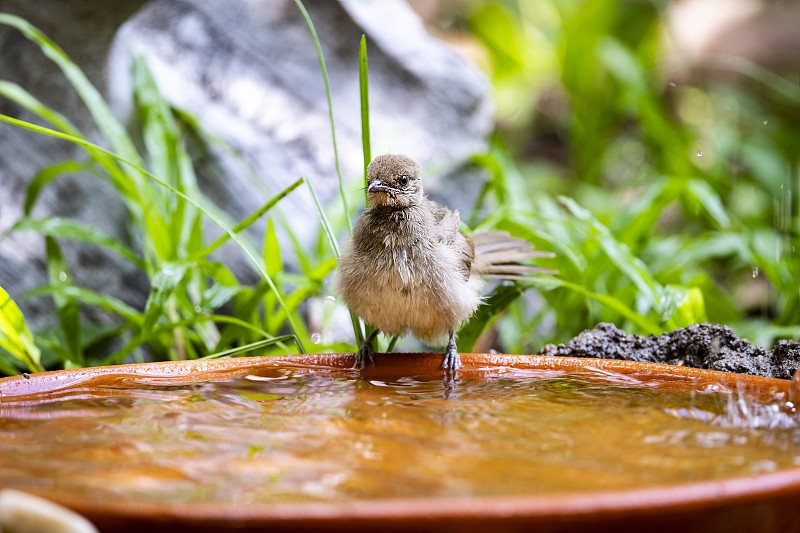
pixel 247 222
pixel 494 304
pixel 90 297
pixel 216 296
pixel 72 229
pixel 251 347
pixel 786 88
pixel 160 131
pixel 642 322
pixel 15 336
pixel 392 343
pixel 710 201
pixel 323 218
pixel 66 306
pixel 136 343
pixel 26 100
pixel 7 368
pixel 164 283
pixel 328 231
pixel 324 69
pixel 363 84
pixel 45 176
pixel 272 251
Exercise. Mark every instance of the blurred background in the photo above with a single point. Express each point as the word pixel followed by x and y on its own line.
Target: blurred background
pixel 674 125
pixel 652 145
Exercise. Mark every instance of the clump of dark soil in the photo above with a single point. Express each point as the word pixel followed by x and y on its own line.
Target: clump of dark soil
pixel 709 346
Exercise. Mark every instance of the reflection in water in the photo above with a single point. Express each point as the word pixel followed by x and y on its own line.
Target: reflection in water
pixel 294 434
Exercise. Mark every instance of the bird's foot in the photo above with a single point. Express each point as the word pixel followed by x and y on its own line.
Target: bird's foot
pixel 365 352
pixel 452 361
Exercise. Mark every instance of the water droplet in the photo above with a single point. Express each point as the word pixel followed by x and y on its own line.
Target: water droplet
pixel 755 271
pixel 62 276
pixel 700 153
pixel 316 338
pixel 766 122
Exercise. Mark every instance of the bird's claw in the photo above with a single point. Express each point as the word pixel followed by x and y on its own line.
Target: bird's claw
pixel 452 361
pixel 365 353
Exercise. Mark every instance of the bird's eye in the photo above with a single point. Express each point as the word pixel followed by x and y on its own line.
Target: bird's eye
pixel 403 181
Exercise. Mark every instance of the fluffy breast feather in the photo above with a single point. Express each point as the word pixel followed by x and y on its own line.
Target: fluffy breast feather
pixel 398 274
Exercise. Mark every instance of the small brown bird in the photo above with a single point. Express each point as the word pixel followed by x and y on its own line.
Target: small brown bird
pixel 408 266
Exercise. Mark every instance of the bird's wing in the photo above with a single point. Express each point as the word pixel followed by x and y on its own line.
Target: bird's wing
pixel 497 254
pixel 448 232
pixel 445 222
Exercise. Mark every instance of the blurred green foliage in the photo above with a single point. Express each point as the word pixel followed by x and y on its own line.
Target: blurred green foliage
pixel 667 201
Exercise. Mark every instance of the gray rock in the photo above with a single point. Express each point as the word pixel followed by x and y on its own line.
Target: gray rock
pixel 249 71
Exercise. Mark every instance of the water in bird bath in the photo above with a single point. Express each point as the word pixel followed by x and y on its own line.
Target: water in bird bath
pixel 297 434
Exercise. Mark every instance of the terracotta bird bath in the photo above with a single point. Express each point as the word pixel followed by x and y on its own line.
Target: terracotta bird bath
pixel 302 443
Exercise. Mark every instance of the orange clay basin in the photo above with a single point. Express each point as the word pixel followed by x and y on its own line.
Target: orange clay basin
pixel 516 443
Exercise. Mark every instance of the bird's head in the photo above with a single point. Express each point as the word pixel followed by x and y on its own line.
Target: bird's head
pixel 393 181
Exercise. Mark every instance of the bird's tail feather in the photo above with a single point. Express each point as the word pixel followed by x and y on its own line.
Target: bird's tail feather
pixel 497 255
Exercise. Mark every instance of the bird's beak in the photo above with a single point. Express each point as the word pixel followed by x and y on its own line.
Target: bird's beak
pixel 377 186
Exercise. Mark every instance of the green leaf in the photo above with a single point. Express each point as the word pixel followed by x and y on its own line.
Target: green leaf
pixel 71 229
pixel 324 70
pixel 323 218
pixel 710 201
pixel 334 245
pixel 622 64
pixel 26 100
pixel 15 336
pixel 164 284
pixel 45 176
pixel 66 306
pixel 160 130
pixel 272 251
pixel 90 297
pixel 217 295
pixel 642 322
pixel 233 352
pixel 691 309
pixel 494 304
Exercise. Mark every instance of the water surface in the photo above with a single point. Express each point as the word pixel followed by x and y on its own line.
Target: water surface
pixel 298 435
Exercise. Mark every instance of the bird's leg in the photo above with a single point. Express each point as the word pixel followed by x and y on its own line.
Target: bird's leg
pixel 452 361
pixel 365 351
